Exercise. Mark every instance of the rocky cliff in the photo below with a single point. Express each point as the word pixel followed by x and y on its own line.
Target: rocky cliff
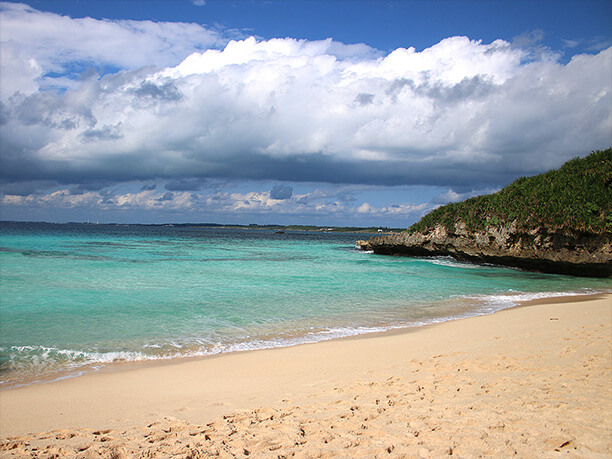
pixel 567 252
pixel 556 222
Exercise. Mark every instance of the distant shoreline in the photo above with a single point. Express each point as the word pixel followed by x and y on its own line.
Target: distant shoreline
pixel 271 227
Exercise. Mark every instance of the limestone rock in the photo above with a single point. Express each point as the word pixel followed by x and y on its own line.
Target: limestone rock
pixel 538 249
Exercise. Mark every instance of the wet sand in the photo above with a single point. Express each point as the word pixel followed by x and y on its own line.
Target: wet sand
pixel 531 381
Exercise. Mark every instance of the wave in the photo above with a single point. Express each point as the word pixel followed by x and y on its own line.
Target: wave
pixel 33 364
pixel 30 364
pixel 495 302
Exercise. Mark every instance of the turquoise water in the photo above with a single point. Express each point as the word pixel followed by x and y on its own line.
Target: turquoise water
pixel 74 297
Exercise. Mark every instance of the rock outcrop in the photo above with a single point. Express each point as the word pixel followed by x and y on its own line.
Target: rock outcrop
pixel 540 249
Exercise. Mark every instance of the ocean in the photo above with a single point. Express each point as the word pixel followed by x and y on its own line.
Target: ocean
pixel 77 297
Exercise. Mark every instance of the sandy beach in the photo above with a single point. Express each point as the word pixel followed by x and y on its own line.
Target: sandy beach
pixel 532 381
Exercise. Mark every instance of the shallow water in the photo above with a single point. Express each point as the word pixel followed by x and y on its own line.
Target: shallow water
pixel 78 295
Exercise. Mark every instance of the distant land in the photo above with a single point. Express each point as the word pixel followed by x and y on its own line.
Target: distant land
pixel 328 229
pixel 556 222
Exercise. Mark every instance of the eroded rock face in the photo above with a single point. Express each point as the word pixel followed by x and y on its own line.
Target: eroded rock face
pixel 575 253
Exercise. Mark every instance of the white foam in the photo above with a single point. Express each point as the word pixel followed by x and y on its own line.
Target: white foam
pixel 451 263
pixel 497 302
pixel 77 362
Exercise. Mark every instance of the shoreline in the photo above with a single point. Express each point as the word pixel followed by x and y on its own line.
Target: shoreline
pixel 552 337
pixel 127 365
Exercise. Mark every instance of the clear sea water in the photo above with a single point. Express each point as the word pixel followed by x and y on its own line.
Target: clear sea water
pixel 75 297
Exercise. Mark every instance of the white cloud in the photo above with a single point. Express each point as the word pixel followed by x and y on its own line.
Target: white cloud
pixel 55 43
pixel 364 208
pixel 144 200
pixel 404 209
pixel 17 74
pixel 229 205
pixel 460 112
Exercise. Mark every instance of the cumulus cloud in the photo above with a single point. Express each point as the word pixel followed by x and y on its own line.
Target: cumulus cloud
pixel 317 204
pixel 38 47
pixel 364 208
pixel 393 210
pixel 183 106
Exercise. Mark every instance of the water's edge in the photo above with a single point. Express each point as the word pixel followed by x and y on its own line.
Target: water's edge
pixel 495 304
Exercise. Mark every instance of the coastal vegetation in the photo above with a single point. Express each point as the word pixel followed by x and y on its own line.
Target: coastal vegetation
pixel 576 197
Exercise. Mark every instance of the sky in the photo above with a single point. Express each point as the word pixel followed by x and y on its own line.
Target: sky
pixel 332 113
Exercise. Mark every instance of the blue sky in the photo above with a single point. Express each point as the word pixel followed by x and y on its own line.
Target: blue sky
pixel 382 24
pixel 326 112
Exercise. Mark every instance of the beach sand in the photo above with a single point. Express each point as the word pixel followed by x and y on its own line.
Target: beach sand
pixel 532 381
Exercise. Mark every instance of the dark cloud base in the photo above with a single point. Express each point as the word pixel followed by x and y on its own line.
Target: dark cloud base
pixel 305 168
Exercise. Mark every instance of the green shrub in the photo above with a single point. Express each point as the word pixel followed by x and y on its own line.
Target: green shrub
pixel 577 196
